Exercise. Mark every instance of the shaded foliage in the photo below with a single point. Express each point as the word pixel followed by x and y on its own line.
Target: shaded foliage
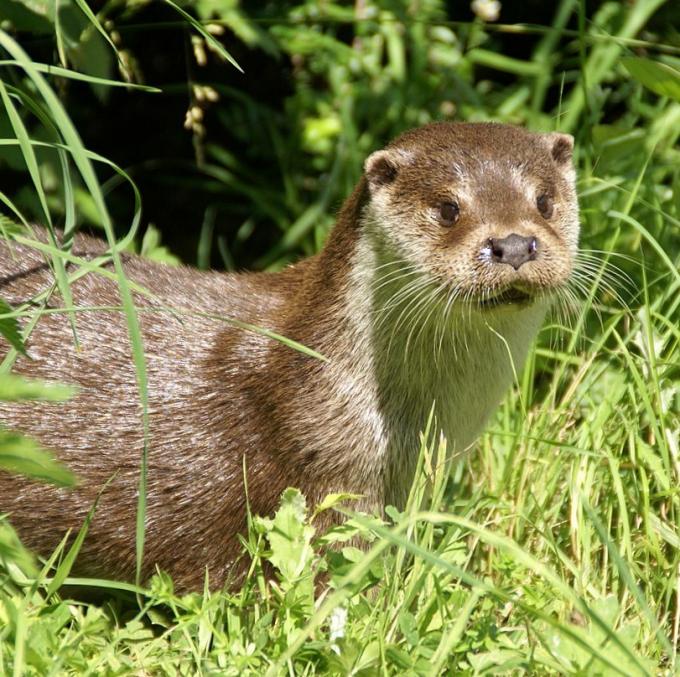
pixel 256 180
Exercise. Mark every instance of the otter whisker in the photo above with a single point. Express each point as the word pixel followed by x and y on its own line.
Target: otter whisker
pixel 405 296
pixel 592 253
pixel 433 301
pixel 392 262
pixel 401 291
pixel 452 295
pixel 596 287
pixel 404 299
pixel 591 282
pixel 611 275
pixel 606 266
pixel 393 278
pixel 413 304
pixel 414 319
pixel 574 285
pixel 564 307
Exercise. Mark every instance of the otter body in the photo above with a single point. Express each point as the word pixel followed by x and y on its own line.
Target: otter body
pixel 428 293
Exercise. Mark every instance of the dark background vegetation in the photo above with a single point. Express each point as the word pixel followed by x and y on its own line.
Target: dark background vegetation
pixel 258 181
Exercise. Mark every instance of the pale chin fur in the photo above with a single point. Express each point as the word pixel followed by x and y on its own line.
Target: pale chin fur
pixel 460 371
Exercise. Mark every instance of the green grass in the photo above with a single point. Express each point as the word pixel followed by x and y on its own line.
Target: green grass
pixel 553 547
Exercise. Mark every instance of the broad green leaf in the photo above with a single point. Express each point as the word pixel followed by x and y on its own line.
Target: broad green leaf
pixel 86 49
pixel 662 79
pixel 21 455
pixel 290 537
pixel 14 388
pixel 153 250
pixel 12 550
pixel 43 8
pixel 332 500
pixel 84 7
pixel 9 328
pixel 27 15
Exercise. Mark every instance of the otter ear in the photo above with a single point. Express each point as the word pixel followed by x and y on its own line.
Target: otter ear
pixel 382 167
pixel 561 147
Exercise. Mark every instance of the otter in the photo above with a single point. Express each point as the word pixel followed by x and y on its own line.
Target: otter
pixel 426 297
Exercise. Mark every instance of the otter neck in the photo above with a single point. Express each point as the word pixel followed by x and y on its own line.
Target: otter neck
pixel 402 350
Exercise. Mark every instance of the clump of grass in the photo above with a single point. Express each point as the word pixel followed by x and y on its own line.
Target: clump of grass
pixel 436 590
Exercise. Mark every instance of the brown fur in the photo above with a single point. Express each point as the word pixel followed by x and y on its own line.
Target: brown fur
pixel 221 395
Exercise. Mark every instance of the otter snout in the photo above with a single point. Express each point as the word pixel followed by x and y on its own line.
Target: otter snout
pixel 515 250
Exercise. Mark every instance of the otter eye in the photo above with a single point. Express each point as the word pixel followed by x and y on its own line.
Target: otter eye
pixel 544 205
pixel 449 213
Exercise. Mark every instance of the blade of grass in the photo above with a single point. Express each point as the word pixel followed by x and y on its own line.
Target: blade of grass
pixel 34 171
pixel 65 566
pixel 58 71
pixel 626 575
pixel 603 57
pixel 82 162
pixel 85 9
pixel 524 558
pixel 198 27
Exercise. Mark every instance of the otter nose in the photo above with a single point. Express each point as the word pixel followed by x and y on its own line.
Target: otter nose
pixel 514 249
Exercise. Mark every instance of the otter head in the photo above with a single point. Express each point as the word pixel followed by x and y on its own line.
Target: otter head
pixel 486 210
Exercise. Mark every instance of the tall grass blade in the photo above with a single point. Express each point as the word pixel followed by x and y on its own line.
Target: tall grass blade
pixel 82 162
pixel 33 170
